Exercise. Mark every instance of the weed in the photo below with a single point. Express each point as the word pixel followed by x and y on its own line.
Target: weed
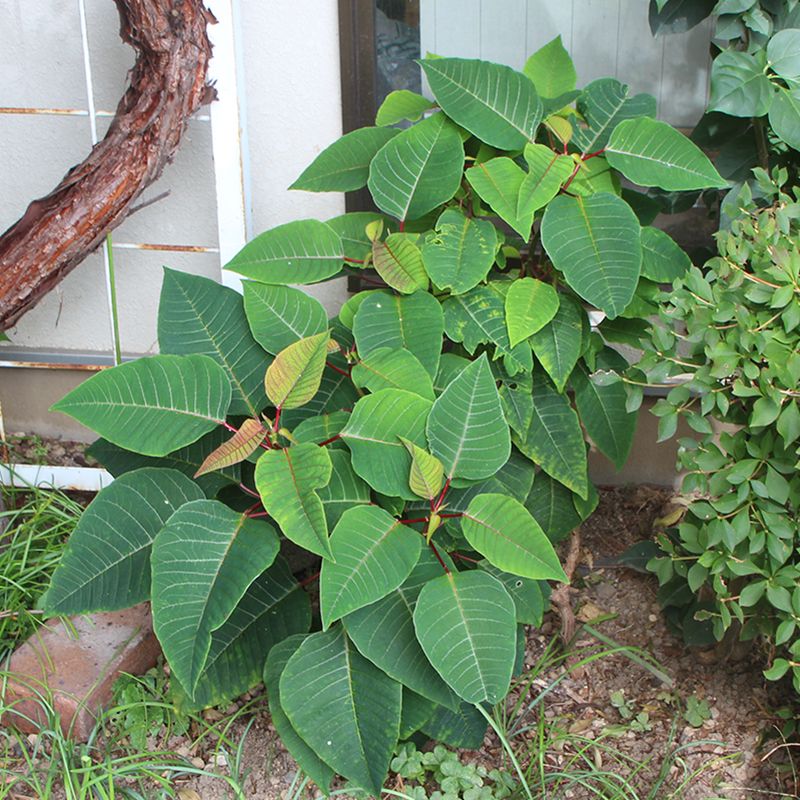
pixel 696 712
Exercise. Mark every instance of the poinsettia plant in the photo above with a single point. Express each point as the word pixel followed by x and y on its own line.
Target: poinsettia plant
pixel 427 445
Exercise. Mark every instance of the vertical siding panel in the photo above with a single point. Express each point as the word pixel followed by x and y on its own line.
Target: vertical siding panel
pixel 595 39
pixel 458 28
pixel 427 27
pixel 686 72
pixel 546 20
pixel 503 33
pixel 639 55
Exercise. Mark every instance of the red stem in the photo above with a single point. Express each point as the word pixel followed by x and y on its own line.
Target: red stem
pixel 402 226
pixel 353 260
pixel 442 495
pixel 465 558
pixel 276 424
pixel 571 177
pixel 336 369
pixel 328 441
pixel 451 516
pixel 436 553
pixel 248 490
pixel 228 426
pixel 593 155
pixel 258 515
pixel 413 521
pixel 309 579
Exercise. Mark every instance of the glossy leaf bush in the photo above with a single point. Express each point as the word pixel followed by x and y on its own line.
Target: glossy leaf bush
pixel 732 560
pixel 428 445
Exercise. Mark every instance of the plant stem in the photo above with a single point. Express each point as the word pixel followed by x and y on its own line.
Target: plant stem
pixel 310 579
pixel 337 369
pixel 761 142
pixel 439 558
pixel 507 747
pixel 442 495
pixel 329 441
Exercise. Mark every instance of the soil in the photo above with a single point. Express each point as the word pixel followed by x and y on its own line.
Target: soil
pixel 26 448
pixel 725 757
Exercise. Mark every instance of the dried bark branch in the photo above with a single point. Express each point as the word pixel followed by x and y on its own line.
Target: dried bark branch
pixel 167 85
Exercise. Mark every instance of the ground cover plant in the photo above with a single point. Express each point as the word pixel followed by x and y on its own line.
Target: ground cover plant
pixel 732 332
pixel 428 444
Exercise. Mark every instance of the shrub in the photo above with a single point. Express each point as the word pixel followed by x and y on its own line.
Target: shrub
pixel 411 426
pixel 733 332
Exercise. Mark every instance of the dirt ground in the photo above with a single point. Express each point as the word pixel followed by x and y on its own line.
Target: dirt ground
pixel 725 757
pixel 27 449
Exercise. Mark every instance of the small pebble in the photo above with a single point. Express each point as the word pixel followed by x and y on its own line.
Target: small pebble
pixel 198 762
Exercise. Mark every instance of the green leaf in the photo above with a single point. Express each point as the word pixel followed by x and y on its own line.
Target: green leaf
pixel 303 251
pixel 402 105
pixel 739 85
pixel 604 104
pixel 784 116
pixel 783 53
pixel 466 428
pixel 494 102
pixel 388 368
pixel 351 227
pixel 106 563
pixel 502 530
pixel 240 446
pixel 517 407
pixel 499 182
pixel 547 171
pixel 399 262
pixel 306 758
pixel 413 322
pixel 558 344
pixel 780 666
pixel 281 315
pixel 293 378
pixel 653 153
pixel 603 412
pixel 788 424
pixel 273 608
pixel 373 436
pixel 227 552
pixel 348 712
pixel 373 554
pixel 344 490
pixel 286 480
pixel 344 165
pixel 554 439
pixel 530 305
pixel 550 503
pixel 460 252
pixel 199 316
pixel 187 461
pixel 594 241
pixel 384 633
pixel 321 428
pixel 464 728
pixel 417 710
pixel 153 405
pixel 479 317
pixel 551 70
pixel 466 624
pixel 529 600
pixel 427 472
pixel 418 169
pixel 663 260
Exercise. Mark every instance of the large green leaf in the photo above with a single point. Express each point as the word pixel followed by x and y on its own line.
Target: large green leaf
pixel 198 315
pixel 739 84
pixel 303 251
pixel 783 53
pixel 594 241
pixel 344 490
pixel 281 315
pixel 227 552
pixel 662 259
pixel 652 153
pixel 502 529
pixel 466 427
pixel 551 70
pixel 273 608
pixel 550 503
pixel 306 758
pixel 351 227
pixel 401 105
pixel 530 305
pixel 604 104
pixel 604 414
pixel 374 553
pixel 344 165
pixel 399 262
pixel 558 344
pixel 466 624
pixel 479 317
pixel 463 728
pixel 496 103
pixel 186 460
pixel 417 170
pixel 373 436
pixel 499 182
pixel 286 480
pixel 547 171
pixel 321 428
pixel 413 322
pixel 529 596
pixel 784 116
pixel 417 710
pixel 343 706
pixel 106 564
pixel 245 441
pixel 514 479
pixel 336 393
pixel 554 439
pixel 153 405
pixel 388 368
pixel 460 252
pixel 294 377
pixel 384 633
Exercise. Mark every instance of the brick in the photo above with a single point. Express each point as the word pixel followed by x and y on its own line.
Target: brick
pixel 77 669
